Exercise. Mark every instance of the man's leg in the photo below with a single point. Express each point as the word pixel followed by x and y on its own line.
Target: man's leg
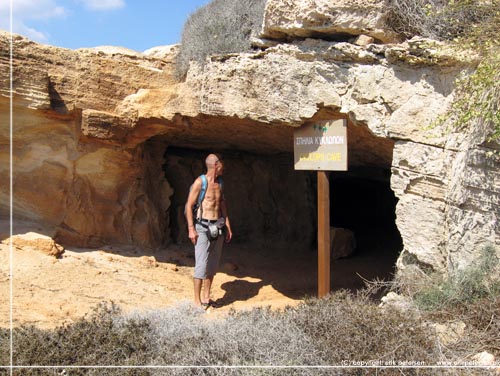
pixel 213 260
pixel 197 291
pixel 201 258
pixel 207 285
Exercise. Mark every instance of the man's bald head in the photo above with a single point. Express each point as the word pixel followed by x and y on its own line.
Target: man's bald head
pixel 211 160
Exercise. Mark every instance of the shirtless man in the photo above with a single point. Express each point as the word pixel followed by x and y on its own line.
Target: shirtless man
pixel 207 251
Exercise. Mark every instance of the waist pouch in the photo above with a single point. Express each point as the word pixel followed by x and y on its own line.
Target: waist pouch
pixel 215 229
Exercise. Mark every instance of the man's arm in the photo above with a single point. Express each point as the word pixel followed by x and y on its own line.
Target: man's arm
pixel 223 209
pixel 191 201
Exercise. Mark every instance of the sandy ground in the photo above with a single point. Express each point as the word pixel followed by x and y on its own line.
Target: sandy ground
pixel 49 291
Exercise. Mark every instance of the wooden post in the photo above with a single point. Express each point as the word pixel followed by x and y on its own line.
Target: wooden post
pixel 323 234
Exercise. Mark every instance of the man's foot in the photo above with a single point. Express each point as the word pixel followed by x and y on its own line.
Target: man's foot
pixel 211 303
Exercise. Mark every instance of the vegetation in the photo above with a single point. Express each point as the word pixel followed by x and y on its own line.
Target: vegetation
pixel 472 25
pixel 463 286
pixel 470 294
pixel 99 339
pixel 478 97
pixel 343 329
pixel 220 27
pixel 444 19
pixel 4 347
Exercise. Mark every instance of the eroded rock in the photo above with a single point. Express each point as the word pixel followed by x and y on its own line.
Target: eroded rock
pixel 32 241
pixel 326 19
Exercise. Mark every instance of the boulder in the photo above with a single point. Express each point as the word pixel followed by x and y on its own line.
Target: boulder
pixel 343 242
pixel 35 242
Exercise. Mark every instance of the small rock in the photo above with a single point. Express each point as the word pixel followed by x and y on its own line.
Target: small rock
pixel 396 301
pixel 484 359
pixel 364 40
pixel 33 241
pixel 149 261
pixel 450 332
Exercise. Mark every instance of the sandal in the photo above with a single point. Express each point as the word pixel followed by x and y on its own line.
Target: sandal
pixel 213 304
pixel 205 306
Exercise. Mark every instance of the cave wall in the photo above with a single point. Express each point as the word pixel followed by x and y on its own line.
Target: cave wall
pixel 82 194
pixel 83 185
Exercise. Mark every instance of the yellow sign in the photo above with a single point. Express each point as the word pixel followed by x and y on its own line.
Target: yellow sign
pixel 321 146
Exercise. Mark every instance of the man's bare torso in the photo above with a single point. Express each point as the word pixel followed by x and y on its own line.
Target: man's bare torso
pixel 211 202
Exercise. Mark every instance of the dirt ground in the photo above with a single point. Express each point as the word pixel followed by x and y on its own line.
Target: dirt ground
pixel 48 291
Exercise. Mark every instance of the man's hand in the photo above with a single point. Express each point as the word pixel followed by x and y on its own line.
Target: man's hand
pixel 193 235
pixel 229 234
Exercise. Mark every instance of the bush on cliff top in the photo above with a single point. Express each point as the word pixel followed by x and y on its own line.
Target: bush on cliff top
pixel 222 26
pixel 443 19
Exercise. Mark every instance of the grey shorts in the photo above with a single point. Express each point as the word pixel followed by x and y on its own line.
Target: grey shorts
pixel 207 253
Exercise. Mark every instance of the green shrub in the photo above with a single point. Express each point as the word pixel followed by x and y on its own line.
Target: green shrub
pixel 465 285
pixel 472 26
pixel 220 27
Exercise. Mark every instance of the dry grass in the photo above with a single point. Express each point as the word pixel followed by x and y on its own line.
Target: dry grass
pixel 331 331
pixel 442 19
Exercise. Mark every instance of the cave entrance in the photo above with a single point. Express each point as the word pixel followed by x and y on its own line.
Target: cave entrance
pixel 273 208
pixel 361 201
pixel 273 212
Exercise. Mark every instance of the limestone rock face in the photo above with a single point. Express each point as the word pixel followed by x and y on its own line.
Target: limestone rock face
pixel 68 171
pixel 454 206
pixel 444 214
pixel 285 19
